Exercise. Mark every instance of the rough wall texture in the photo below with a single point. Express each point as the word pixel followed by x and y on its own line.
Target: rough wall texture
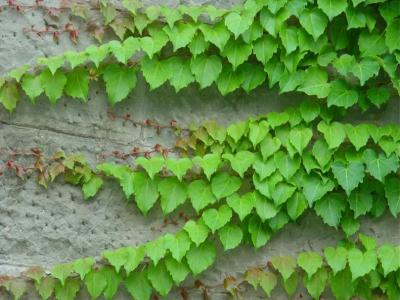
pixel 45 227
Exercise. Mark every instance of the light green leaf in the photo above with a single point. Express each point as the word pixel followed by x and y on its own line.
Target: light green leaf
pixel 229 80
pixel 360 202
pixel 348 176
pixel 138 286
pixel 152 165
pixel 342 95
pixel 336 258
pixel 380 165
pixel 179 245
pixel 330 208
pixel 300 137
pixel 156 72
pixel 237 52
pixel 160 279
pixel 241 161
pixel 253 33
pixel 154 43
pixel 378 95
pixel 113 280
pixel 119 81
pixel 200 194
pixel 198 44
pixel 31 86
pixel 332 8
pixel 62 271
pixel 316 284
pixel 389 258
pixel 216 34
pixel 9 96
pixel 264 169
pixel 230 235
pixel 179 167
pixel 223 185
pixel 288 35
pixel 365 69
pixel 259 232
pixel 296 205
pixel 67 291
pixel 209 163
pixel 237 24
pixel 355 18
pixel 83 266
pixel 344 64
pixel 173 193
pixel 145 190
pixel 53 63
pixel 264 48
pixel 179 72
pixel 216 219
pixel 281 192
pixel 334 133
pixel 206 69
pixel 134 257
pixel 315 82
pixel 269 145
pixel 91 187
pixel 181 34
pixel 310 262
pixel 358 135
pixel 53 84
pixel 287 166
pixel 371 44
pixel 286 265
pixel 361 263
pixel 392 35
pixel 97 54
pixel 77 85
pixel 95 283
pixel 177 269
pixel 242 205
pixel 252 76
pixel 314 22
pixel 198 232
pixel 201 257
pixel 392 193
pixel 264 208
pixel 315 188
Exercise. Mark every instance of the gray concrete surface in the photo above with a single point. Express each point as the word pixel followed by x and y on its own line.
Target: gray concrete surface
pixel 46 227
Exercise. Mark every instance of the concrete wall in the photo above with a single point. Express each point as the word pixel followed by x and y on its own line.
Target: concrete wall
pixel 46 227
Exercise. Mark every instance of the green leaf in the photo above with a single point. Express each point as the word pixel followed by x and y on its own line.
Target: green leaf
pixel 342 285
pixel 348 176
pixel 380 165
pixel 314 22
pixel 389 258
pixel 257 132
pixel 62 271
pixel 368 242
pixel 242 205
pixel 258 231
pixel 241 161
pixel 366 69
pixel 264 48
pixel 229 80
pixel 358 135
pixel 252 75
pixel 237 130
pixel 18 72
pixel 91 187
pixel 9 96
pixel 238 24
pixel 268 282
pixel 181 34
pixel 223 185
pixel 336 258
pixel 113 280
pixel 77 85
pixel 179 245
pixel 344 64
pixel 156 249
pixel 310 262
pixel 117 258
pixel 392 193
pixel 392 35
pixel 135 257
pixel 371 44
pixel 264 208
pixel 287 166
pixel 171 15
pixel 198 44
pixel 237 52
pixel 122 172
pixel 198 232
pixel 269 145
pixel 119 82
pixel 53 63
pixel 330 208
pixel 53 84
pixel 230 235
pixel 200 194
pixel 281 192
pixel 314 188
pixel 75 58
pixel 156 72
pixel 316 283
pixel 264 169
pixel 152 165
pixel 361 263
pixel 145 190
pixel 342 95
pixel 216 219
pixel 67 291
pixel 83 266
pixel 216 34
pixel 97 54
pixel 355 18
pixel 296 205
pixel 179 167
pixel 378 95
pixel 160 279
pixel 95 283
pixel 286 265
pixel 288 35
pixel 360 202
pixel 388 145
pixel 17 287
pixel 138 286
pixel 300 137
pixel 275 5
pixel 206 69
pixel 173 193
pixel 154 43
pixel 179 73
pixel 201 257
pixel 332 8
pixel 315 82
pixel 334 133
pixel 46 287
pixel 209 163
pixel 178 270
pixel 32 86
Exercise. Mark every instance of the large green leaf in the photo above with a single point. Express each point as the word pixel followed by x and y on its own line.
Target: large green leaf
pixel 230 235
pixel 365 69
pixel 341 94
pixel 336 258
pixel 201 257
pixel 330 208
pixel 179 73
pixel 173 193
pixel 264 48
pixel 217 218
pixel 380 165
pixel 314 22
pixel 206 69
pixel 119 82
pixel 160 278
pixel 314 188
pixel 223 185
pixel 237 52
pixel 332 8
pixel 310 262
pixel 349 176
pixel 315 82
pixel 77 85
pixel 156 72
pixel 177 269
pixel 53 84
pixel 361 263
pixel 200 194
pixel 238 23
pixel 145 190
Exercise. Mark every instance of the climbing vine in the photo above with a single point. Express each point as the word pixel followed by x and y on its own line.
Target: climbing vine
pixel 246 181
pixel 299 45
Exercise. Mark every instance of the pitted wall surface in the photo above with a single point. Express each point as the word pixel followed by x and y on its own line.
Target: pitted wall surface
pixel 46 227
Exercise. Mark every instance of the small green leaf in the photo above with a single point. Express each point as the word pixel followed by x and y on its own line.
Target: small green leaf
pixel 348 176
pixel 152 165
pixel 198 232
pixel 392 193
pixel 332 8
pixel 241 161
pixel 95 283
pixel 257 132
pixel 238 24
pixel 269 145
pixel 145 190
pixel 360 202
pixel 334 133
pixel 237 52
pixel 230 235
pixel 287 166
pixel 155 71
pixel 242 205
pixel 286 266
pixel 314 22
pixel 264 48
pixel 389 258
pixel 9 96
pixel 330 208
pixel 160 278
pixel 173 193
pixel 342 95
pixel 53 84
pixel 62 271
pixel 200 194
pixel 315 82
pixel 336 258
pixel 217 34
pixel 67 291
pixel 392 35
pixel 32 86
pixel 179 167
pixel 216 219
pixel 342 285
pixel 310 262
pixel 177 269
pixel 206 69
pixel 138 286
pixel 300 137
pixel 119 82
pixel 316 284
pixel 91 187
pixel 53 63
pixel 361 263
pixel 223 185
pixel 365 69
pixel 296 205
pixel 259 232
pixel 314 188
pixel 179 245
